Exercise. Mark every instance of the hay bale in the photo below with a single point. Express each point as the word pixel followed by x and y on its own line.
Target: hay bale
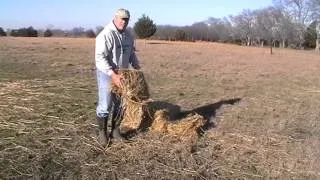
pixel 134 114
pixel 160 122
pixel 187 128
pixel 134 86
pixel 134 94
pixel 184 129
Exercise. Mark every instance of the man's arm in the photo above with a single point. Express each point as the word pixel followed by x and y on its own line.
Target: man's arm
pixel 103 54
pixel 134 60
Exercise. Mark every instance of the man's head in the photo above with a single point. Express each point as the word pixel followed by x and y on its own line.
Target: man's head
pixel 121 19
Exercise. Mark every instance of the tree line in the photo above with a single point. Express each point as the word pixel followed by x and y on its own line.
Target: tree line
pixel 31 32
pixel 143 28
pixel 287 24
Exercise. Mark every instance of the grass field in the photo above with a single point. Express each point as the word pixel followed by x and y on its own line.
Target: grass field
pixel 265 111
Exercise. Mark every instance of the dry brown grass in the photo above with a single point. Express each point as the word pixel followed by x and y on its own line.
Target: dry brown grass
pixel 47 111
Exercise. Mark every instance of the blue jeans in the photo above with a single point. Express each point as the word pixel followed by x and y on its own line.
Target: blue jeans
pixel 104 94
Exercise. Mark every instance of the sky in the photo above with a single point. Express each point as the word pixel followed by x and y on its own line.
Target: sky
pixel 67 14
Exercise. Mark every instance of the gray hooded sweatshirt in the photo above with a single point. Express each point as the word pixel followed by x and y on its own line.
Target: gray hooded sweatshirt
pixel 114 50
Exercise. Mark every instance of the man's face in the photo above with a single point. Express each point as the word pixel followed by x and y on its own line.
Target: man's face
pixel 121 23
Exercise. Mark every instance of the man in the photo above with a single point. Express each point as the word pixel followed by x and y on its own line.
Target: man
pixel 114 51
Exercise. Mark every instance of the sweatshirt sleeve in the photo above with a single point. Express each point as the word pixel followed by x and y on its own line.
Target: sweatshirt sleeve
pixel 103 53
pixel 133 58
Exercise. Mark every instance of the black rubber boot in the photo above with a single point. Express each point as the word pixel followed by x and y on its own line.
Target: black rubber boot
pixel 117 116
pixel 116 134
pixel 102 130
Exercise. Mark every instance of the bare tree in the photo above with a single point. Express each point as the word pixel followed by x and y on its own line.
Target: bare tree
pixel 98 29
pixel 278 26
pixel 219 29
pixel 200 31
pixel 165 32
pixel 299 10
pixel 265 25
pixel 78 31
pixel 315 8
pixel 270 26
pixel 300 13
pixel 318 37
pixel 90 33
pixel 244 26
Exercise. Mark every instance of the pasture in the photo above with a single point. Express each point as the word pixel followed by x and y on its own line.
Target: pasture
pixel 264 112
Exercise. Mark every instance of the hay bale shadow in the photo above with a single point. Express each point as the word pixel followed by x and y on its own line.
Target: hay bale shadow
pixel 175 114
pixel 173 111
pixel 157 43
pixel 208 112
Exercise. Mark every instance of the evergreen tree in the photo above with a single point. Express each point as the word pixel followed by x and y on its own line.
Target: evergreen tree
pixel 47 33
pixel 2 33
pixel 31 32
pixel 144 27
pixel 24 32
pixel 311 36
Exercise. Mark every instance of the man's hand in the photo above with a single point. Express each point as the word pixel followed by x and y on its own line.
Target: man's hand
pixel 116 79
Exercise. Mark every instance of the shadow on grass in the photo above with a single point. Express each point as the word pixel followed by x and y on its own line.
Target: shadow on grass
pixel 175 113
pixel 155 43
pixel 208 112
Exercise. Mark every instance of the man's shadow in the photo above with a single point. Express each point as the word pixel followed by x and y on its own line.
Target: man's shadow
pixel 175 114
